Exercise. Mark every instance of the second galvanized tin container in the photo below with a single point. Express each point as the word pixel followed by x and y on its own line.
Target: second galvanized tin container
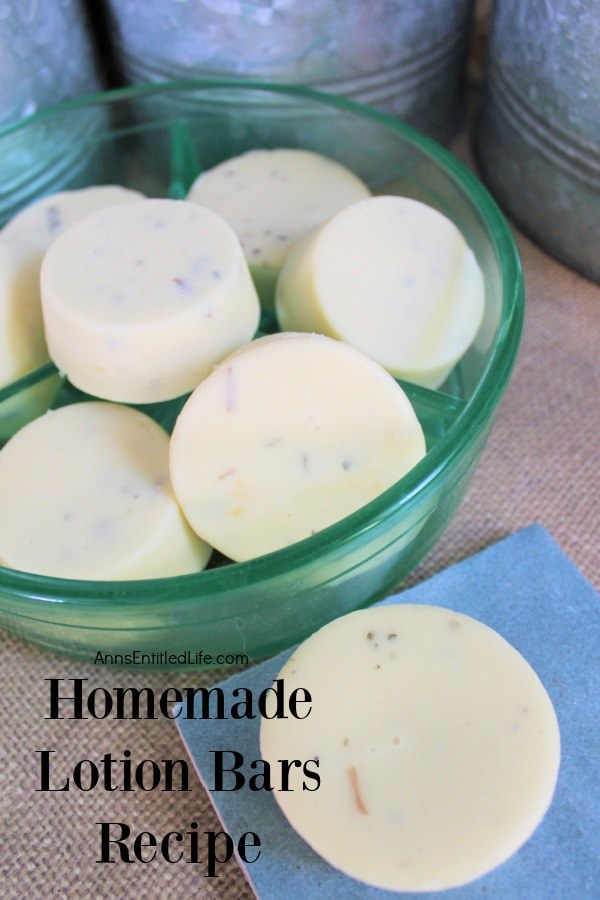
pixel 538 139
pixel 403 57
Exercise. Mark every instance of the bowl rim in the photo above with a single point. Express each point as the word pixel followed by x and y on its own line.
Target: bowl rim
pixel 476 413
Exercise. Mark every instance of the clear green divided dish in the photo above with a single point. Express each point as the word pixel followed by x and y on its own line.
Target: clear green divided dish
pixel 157 139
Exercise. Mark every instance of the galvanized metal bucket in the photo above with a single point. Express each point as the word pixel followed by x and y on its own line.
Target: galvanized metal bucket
pixel 404 57
pixel 538 136
pixel 45 57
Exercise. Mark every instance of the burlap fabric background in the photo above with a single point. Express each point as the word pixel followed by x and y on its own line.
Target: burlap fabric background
pixel 541 464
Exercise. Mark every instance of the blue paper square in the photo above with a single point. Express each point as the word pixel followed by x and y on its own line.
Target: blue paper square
pixel 530 592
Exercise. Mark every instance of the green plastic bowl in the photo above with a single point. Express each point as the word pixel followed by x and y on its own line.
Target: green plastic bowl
pixel 156 139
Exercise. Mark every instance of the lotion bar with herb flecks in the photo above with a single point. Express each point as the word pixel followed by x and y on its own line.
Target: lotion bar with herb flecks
pixel 288 435
pixel 42 221
pixel 141 300
pixel 394 278
pixel 86 494
pixel 438 747
pixel 273 197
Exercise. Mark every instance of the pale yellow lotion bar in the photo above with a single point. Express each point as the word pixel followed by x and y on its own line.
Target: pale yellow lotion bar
pixel 142 299
pixel 273 197
pixel 391 276
pixel 438 747
pixel 22 342
pixel 42 221
pixel 86 494
pixel 23 241
pixel 287 436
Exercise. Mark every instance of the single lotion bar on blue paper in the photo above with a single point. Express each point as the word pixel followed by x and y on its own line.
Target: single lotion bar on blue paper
pixel 438 747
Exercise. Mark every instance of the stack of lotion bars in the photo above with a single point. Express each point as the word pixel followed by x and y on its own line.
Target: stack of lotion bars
pixel 141 300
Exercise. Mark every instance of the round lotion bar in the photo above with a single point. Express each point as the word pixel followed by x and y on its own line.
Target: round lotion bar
pixel 22 342
pixel 86 493
pixel 438 748
pixel 271 198
pixel 45 219
pixel 141 300
pixel 394 278
pixel 285 437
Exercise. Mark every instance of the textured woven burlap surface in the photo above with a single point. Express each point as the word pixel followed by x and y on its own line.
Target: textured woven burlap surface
pixel 540 464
